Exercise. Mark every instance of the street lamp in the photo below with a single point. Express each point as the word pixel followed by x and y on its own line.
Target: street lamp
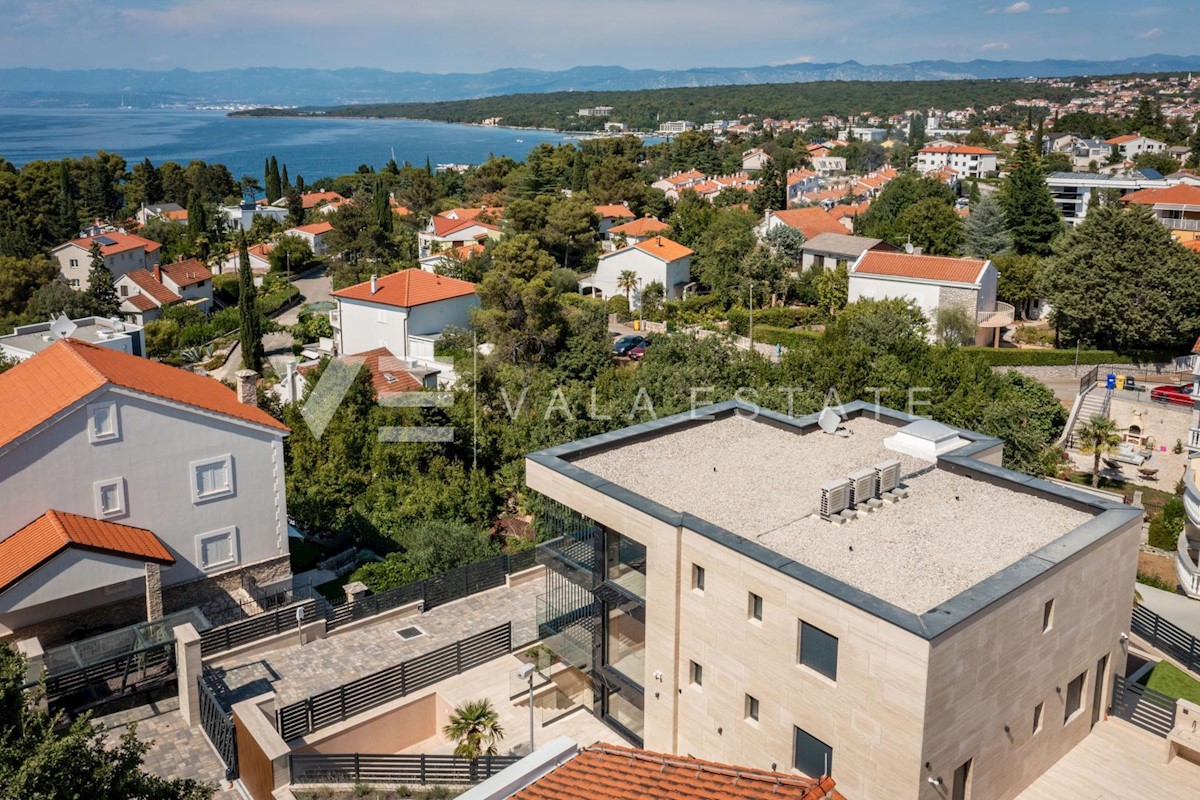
pixel 526 671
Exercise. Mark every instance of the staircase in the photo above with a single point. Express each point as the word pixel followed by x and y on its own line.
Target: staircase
pixel 1095 401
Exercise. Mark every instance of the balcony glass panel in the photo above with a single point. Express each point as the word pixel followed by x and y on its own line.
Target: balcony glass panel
pixel 625 634
pixel 625 562
pixel 627 712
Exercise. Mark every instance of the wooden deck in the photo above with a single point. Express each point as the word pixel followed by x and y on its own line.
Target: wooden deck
pixel 1116 762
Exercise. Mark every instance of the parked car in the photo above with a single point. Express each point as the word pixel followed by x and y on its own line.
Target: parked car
pixel 636 353
pixel 1180 395
pixel 622 346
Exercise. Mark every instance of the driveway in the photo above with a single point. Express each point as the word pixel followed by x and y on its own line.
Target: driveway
pixel 315 287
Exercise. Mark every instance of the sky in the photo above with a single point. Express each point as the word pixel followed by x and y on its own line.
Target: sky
pixel 482 35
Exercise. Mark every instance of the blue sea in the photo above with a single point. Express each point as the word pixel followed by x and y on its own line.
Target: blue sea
pixel 312 147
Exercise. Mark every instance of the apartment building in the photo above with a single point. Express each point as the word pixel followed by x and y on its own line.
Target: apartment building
pixel 972 162
pixel 1075 192
pixel 122 253
pixel 878 601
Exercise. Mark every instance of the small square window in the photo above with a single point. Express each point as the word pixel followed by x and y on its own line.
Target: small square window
pixel 752 708
pixel 103 425
pixel 74 263
pixel 217 548
pixel 110 497
pixel 810 755
pixel 696 673
pixel 1074 697
pixel 698 577
pixel 1037 717
pixel 818 650
pixel 1048 615
pixel 212 478
pixel 756 607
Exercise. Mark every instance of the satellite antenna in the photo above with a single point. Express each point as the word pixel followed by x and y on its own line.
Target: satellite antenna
pixel 829 420
pixel 62 327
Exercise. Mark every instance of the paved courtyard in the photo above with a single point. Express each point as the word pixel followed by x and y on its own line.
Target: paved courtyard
pixel 299 671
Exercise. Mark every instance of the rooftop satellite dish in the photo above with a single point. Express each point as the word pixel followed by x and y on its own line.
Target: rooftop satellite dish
pixel 63 327
pixel 829 420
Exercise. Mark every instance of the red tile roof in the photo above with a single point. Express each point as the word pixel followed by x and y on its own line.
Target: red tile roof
pixel 609 772
pixel 809 221
pixel 38 389
pixel 55 531
pixel 444 226
pixel 408 288
pixel 1194 244
pixel 186 273
pixel 1183 194
pixel 121 243
pixel 152 287
pixel 930 268
pixel 960 149
pixel 1126 139
pixel 314 228
pixel 140 301
pixel 645 226
pixel 664 248
pixel 614 211
pixel 312 199
pixel 381 363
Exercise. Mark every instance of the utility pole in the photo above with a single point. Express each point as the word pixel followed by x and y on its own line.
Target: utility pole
pixel 752 315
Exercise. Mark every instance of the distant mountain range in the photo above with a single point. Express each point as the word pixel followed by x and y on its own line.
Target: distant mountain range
pixel 24 87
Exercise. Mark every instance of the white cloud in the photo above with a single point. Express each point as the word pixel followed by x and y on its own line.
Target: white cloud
pixel 994 47
pixel 1153 33
pixel 1058 10
pixel 1015 8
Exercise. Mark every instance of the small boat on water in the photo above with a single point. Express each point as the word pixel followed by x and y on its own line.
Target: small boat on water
pixel 520 141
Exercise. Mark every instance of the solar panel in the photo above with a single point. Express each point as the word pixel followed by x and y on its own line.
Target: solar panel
pixel 104 240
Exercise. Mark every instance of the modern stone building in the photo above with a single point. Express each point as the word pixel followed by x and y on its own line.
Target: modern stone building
pixel 882 603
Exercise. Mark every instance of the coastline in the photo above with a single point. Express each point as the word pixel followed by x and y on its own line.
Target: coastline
pixel 327 115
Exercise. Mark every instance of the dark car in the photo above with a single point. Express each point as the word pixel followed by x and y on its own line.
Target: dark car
pixel 636 353
pixel 622 346
pixel 1176 395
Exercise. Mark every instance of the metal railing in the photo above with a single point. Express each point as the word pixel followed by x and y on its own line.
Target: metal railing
pixel 1193 441
pixel 108 679
pixel 320 710
pixel 219 728
pixel 271 623
pixel 1175 223
pixel 412 769
pixel 1150 710
pixel 1002 316
pixel 1089 378
pixel 1166 636
pixel 1186 568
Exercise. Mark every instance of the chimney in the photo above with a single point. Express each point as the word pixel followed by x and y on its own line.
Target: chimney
pixel 247 386
pixel 374 284
pixel 158 273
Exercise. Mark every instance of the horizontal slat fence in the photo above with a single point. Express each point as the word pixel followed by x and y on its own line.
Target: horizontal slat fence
pixel 412 769
pixel 226 637
pixel 320 710
pixel 1148 709
pixel 1170 638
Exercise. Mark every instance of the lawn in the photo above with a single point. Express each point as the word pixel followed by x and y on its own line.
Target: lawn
pixel 1172 681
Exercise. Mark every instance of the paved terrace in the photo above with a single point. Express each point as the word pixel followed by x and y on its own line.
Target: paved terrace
pixel 763 483
pixel 299 671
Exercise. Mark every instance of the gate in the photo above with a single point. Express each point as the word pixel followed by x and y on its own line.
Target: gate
pixel 1150 710
pixel 218 726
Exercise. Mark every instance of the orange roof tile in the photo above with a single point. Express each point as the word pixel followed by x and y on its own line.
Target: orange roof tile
pixel 408 288
pixel 1129 137
pixel 809 221
pixel 121 243
pixel 623 773
pixel 381 364
pixel 36 390
pixel 140 301
pixel 444 226
pixel 614 211
pixel 487 212
pixel 176 216
pixel 659 247
pixel 153 287
pixel 646 226
pixel 960 149
pixel 1183 194
pixel 315 228
pixel 1193 244
pixel 930 268
pixel 186 273
pixel 55 531
pixel 312 199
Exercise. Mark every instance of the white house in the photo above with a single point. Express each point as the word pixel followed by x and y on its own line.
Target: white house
pixel 933 282
pixel 755 158
pixel 242 215
pixel 612 215
pixel 1075 192
pixel 445 261
pixel 405 312
pixel 657 260
pixel 1132 145
pixel 800 182
pixel 313 234
pixel 189 279
pixel 810 221
pixel 143 296
pixel 27 341
pixel 973 162
pixel 827 166
pixel 131 488
pixel 633 232
pixel 122 252
pixel 260 259
pixel 170 211
pixel 828 250
pixel 453 229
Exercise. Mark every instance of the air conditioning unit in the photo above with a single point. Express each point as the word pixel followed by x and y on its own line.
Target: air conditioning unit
pixel 863 493
pixel 887 478
pixel 835 498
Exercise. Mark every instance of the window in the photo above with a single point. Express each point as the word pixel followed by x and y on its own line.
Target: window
pixel 626 709
pixel 103 425
pixel 110 497
pixel 1037 717
pixel 625 635
pixel 818 651
pixel 696 673
pixel 74 263
pixel 810 755
pixel 755 609
pixel 212 478
pixel 217 548
pixel 625 562
pixel 380 315
pixel 752 708
pixel 124 290
pixel 1074 697
pixel 698 577
pixel 73 283
pixel 1048 615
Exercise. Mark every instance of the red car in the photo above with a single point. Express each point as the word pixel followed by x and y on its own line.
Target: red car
pixel 1176 395
pixel 639 352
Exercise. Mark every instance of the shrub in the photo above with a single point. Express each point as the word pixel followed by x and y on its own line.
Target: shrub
pixel 1005 357
pixel 226 288
pixel 273 300
pixel 1166 526
pixel 778 317
pixel 1156 582
pixel 784 337
pixel 617 304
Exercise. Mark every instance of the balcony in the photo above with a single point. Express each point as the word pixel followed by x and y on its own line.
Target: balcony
pixel 1193 441
pixel 1187 564
pixel 1181 223
pixel 335 319
pixel 1000 317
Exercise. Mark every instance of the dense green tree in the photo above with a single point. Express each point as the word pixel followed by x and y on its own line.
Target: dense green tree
pixel 771 194
pixel 68 215
pixel 295 217
pixel 954 326
pixel 1120 281
pixel 100 291
pixel 1020 281
pixel 521 318
pixel 1163 162
pixel 272 181
pixel 285 185
pixel 881 219
pixel 522 257
pixel 570 232
pixel 833 287
pixel 1055 161
pixel 55 298
pixel 787 242
pixel 1028 205
pixel 249 318
pixel 291 254
pixel 933 226
pixel 987 233
pixel 430 548
pixel 20 278
pixel 146 184
pixel 916 132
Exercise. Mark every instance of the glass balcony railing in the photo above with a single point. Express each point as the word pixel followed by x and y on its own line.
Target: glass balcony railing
pixel 565 625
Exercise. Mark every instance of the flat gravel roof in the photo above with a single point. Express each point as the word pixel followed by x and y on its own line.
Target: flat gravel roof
pixel 763 482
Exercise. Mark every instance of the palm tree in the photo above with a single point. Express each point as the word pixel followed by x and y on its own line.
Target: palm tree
pixel 627 281
pixel 1097 436
pixel 475 727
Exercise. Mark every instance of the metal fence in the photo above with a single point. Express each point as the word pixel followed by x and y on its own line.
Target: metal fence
pixel 319 710
pixel 417 770
pixel 1088 379
pixel 1148 709
pixel 226 637
pixel 1170 638
pixel 218 726
pixel 107 679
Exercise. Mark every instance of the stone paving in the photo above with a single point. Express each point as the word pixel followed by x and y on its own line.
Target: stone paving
pixel 176 751
pixel 299 671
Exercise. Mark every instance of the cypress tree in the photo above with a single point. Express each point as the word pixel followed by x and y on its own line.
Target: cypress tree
pixel 285 186
pixel 68 215
pixel 267 177
pixel 299 184
pixel 428 166
pixel 250 323
pixel 916 132
pixel 100 291
pixel 152 188
pixel 274 184
pixel 578 174
pixel 1028 205
pixel 381 207
pixel 295 209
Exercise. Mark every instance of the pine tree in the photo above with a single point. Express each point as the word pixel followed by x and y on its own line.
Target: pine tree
pixel 916 132
pixel 295 209
pixel 578 174
pixel 68 215
pixel 250 333
pixel 100 291
pixel 1039 137
pixel 987 233
pixel 973 194
pixel 771 194
pixel 1028 206
pixel 152 189
pixel 197 217
pixel 273 183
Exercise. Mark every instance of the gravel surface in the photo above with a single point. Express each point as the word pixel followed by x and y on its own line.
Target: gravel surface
pixel 764 484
